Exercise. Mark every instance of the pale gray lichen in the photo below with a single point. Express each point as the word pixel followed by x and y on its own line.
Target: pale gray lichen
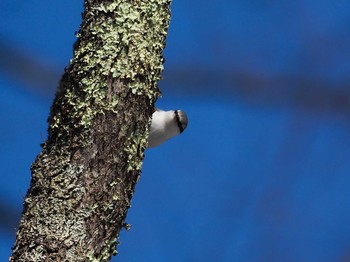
pixel 108 250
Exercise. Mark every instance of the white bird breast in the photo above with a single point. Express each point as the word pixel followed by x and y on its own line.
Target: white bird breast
pixel 165 125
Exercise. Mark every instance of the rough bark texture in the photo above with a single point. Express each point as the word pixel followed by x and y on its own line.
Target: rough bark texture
pixel 84 178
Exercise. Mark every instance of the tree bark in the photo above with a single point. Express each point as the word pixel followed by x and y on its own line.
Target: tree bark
pixel 84 178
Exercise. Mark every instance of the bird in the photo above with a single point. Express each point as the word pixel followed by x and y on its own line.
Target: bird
pixel 165 125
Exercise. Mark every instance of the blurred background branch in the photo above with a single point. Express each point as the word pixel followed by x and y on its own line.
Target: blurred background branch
pixel 301 91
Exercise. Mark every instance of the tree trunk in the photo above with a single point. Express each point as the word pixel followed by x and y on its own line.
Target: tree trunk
pixel 84 178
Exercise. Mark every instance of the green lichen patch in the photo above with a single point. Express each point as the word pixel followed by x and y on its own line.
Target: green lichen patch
pixel 83 180
pixel 124 40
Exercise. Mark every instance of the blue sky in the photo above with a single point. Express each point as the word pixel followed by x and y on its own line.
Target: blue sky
pixel 262 171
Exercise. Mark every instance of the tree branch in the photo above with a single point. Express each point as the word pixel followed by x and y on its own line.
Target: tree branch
pixel 84 178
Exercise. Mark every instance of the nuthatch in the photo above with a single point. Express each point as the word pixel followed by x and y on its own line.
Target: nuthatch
pixel 165 125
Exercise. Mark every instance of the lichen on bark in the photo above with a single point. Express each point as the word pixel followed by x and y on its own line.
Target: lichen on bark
pixel 84 178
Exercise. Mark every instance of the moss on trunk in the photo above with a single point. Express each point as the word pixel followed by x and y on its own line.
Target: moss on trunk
pixel 84 178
